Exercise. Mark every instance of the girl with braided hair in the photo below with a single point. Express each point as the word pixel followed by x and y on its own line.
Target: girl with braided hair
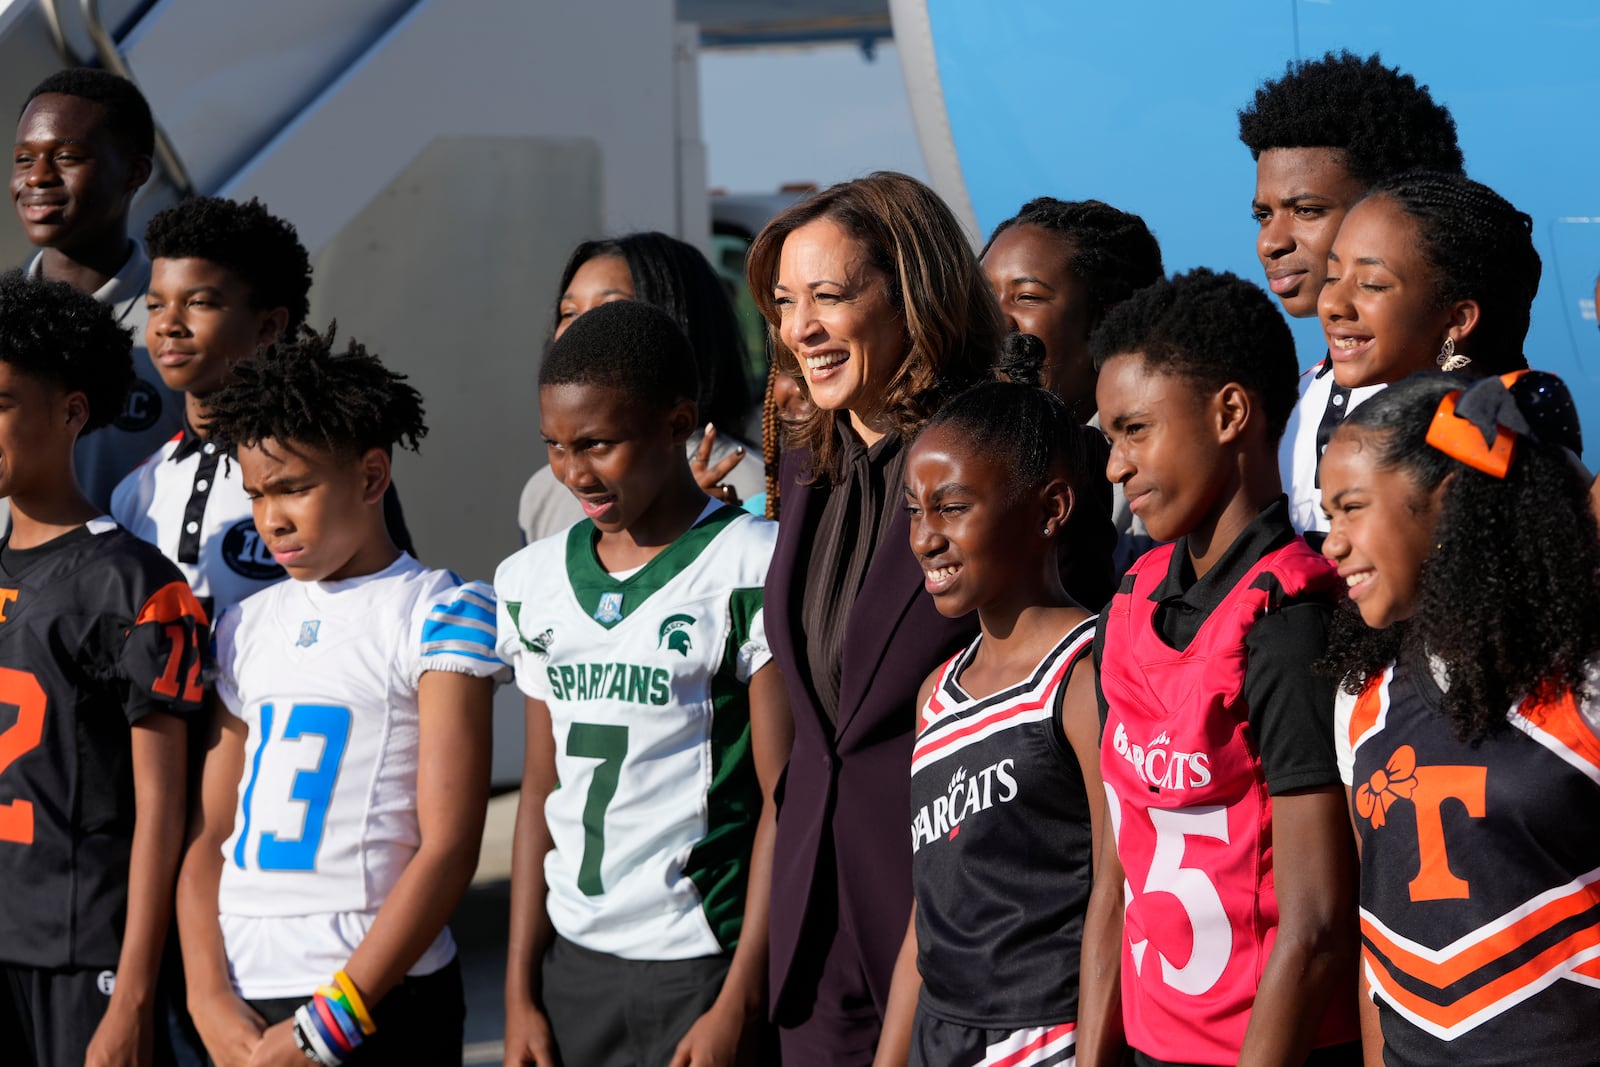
pixel 1057 267
pixel 1469 724
pixel 1005 774
pixel 1430 270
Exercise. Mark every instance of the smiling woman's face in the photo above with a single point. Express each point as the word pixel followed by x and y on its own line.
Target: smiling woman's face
pixel 835 315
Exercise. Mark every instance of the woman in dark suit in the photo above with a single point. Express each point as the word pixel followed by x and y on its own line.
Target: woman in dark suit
pixel 876 302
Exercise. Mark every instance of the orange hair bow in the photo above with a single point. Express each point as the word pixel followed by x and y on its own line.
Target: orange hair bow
pixel 1485 437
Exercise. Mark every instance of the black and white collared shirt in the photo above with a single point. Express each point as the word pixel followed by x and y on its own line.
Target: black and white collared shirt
pixel 1323 404
pixel 189 501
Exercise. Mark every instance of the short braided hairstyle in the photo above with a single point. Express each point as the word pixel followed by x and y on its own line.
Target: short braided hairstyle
pixel 1508 597
pixel 301 390
pixel 1029 430
pixel 1211 327
pixel 1481 248
pixel 1033 434
pixel 1381 119
pixel 261 250
pixel 68 339
pixel 1112 252
pixel 128 117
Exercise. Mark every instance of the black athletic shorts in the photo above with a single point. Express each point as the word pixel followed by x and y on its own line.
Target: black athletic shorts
pixel 420 1021
pixel 48 1018
pixel 606 1011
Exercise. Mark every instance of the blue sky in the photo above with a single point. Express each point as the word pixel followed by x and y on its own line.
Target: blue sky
pixel 821 114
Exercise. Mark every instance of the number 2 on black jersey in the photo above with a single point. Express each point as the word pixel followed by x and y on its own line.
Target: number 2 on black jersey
pixel 22 691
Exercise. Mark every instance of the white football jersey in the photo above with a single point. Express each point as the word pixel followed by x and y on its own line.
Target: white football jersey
pixel 188 500
pixel 325 676
pixel 647 681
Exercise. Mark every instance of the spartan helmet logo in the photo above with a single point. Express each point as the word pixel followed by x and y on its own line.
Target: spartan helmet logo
pixel 675 634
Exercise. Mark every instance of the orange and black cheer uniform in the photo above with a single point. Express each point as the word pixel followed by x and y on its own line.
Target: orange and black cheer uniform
pixel 1480 877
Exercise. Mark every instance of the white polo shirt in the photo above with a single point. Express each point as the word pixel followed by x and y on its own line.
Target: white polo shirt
pixel 1321 407
pixel 189 501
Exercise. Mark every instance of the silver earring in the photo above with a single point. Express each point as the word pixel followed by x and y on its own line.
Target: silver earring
pixel 1046 531
pixel 1448 359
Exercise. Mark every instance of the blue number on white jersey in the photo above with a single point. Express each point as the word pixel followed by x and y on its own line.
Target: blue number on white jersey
pixel 312 787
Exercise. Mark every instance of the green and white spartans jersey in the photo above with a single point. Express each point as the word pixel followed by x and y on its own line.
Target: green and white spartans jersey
pixel 647 681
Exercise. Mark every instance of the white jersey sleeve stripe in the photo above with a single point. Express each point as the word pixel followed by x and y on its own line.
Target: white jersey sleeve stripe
pixel 459 648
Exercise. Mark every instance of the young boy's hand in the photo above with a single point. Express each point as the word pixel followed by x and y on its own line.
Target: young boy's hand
pixel 229 1028
pixel 713 1040
pixel 528 1039
pixel 277 1048
pixel 124 1038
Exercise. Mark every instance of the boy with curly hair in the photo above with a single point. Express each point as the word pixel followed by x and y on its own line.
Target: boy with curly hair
pixel 1321 136
pixel 100 643
pixel 347 766
pixel 227 280
pixel 1220 929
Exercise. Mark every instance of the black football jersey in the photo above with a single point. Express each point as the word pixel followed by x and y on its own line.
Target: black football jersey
pixel 97 630
pixel 1000 847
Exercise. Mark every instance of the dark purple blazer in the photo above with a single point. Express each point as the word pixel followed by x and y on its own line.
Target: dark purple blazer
pixel 849 784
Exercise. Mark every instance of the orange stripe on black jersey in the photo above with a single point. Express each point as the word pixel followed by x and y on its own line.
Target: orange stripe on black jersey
pixel 170 603
pixel 1559 726
pixel 1480 885
pixel 1371 707
pixel 1459 1015
pixel 1494 941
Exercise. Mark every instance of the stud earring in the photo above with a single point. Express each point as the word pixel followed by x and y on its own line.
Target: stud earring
pixel 1046 531
pixel 1447 359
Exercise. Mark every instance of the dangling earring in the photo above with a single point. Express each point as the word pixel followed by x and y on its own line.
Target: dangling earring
pixel 1447 358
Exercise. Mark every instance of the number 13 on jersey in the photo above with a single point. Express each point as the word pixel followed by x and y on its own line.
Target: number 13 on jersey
pixel 323 729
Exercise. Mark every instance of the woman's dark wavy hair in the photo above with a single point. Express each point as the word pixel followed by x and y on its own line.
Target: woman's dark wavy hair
pixel 952 323
pixel 1480 248
pixel 1509 598
pixel 676 278
pixel 1111 251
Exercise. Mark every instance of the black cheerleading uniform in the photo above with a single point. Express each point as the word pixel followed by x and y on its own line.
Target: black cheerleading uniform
pixel 1001 867
pixel 1480 877
pixel 97 631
